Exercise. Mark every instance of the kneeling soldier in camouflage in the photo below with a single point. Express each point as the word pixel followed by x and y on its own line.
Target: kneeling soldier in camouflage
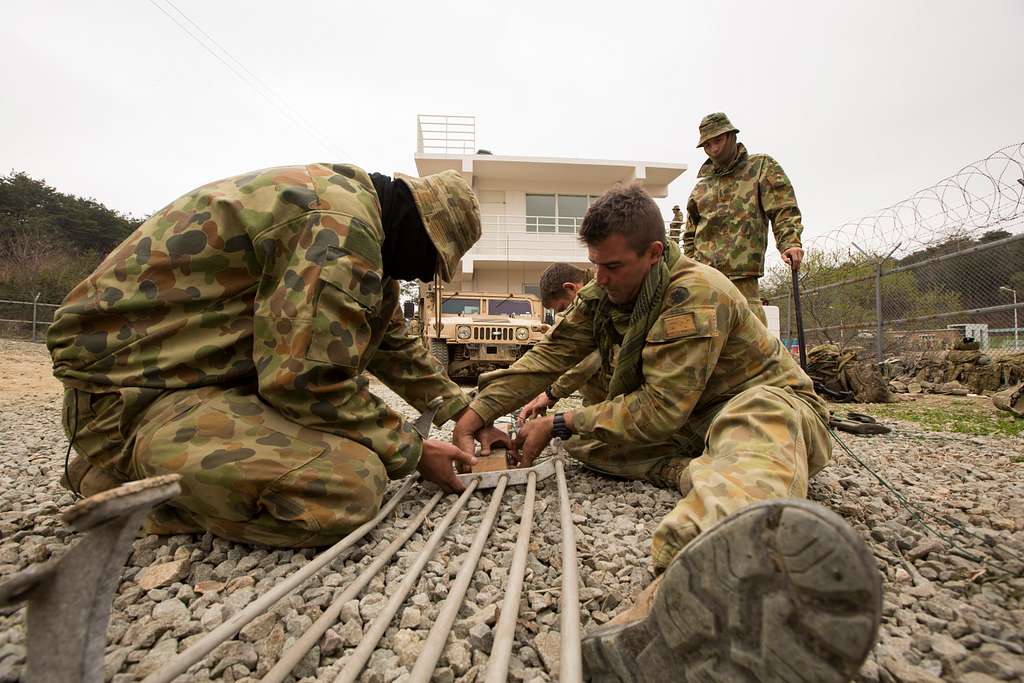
pixel 753 585
pixel 225 341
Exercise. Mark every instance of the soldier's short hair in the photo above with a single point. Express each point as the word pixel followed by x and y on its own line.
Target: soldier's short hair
pixel 557 274
pixel 627 210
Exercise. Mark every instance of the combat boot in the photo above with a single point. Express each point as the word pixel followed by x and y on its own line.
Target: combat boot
pixel 667 475
pixel 85 479
pixel 782 590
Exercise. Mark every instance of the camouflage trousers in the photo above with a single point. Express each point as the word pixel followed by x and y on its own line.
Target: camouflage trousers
pixel 764 443
pixel 248 473
pixel 748 287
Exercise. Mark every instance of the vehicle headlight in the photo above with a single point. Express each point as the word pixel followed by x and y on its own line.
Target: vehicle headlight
pixel 462 332
pixel 522 333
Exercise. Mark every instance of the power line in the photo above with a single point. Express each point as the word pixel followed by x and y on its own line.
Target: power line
pixel 251 79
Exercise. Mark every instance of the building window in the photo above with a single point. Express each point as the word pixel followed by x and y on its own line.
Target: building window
pixel 540 213
pixel 556 212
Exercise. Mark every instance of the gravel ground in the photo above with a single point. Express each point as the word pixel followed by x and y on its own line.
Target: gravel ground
pixel 945 617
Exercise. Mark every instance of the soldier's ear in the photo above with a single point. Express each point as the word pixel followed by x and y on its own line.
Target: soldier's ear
pixel 572 288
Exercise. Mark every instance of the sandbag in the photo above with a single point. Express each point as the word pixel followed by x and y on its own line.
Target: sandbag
pixel 1011 400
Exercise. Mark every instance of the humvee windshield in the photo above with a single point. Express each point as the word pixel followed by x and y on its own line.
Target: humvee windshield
pixel 508 307
pixel 460 306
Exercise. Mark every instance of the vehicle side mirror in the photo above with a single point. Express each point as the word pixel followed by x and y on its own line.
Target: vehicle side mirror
pixel 408 309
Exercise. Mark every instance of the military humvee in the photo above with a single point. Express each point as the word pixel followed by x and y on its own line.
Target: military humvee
pixel 473 332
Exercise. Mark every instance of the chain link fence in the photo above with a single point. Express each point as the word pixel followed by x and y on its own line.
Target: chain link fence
pixel 940 271
pixel 889 307
pixel 25 319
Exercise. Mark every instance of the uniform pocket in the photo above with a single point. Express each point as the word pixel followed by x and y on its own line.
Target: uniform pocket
pixel 349 291
pixel 680 341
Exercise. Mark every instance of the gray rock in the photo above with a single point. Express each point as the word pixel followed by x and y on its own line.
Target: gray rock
pixel 480 637
pixel 159 655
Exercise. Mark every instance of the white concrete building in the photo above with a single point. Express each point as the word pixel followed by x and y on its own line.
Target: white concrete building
pixel 531 207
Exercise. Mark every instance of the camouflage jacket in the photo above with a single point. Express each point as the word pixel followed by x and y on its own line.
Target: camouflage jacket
pixel 728 212
pixel 704 348
pixel 273 277
pixel 587 377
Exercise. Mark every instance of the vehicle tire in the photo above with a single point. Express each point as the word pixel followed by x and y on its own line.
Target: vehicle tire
pixel 439 350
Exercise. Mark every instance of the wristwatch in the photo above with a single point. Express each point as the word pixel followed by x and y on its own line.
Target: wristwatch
pixel 551 396
pixel 559 428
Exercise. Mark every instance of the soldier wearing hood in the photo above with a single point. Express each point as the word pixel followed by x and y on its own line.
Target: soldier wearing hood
pixel 225 340
pixel 728 212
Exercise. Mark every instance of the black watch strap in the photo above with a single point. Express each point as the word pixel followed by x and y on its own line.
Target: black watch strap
pixel 550 395
pixel 559 428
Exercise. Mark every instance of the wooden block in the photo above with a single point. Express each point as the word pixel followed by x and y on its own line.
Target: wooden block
pixel 494 462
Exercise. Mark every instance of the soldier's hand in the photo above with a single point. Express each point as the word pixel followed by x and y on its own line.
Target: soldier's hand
pixel 489 436
pixel 467 425
pixel 538 406
pixel 532 439
pixel 436 462
pixel 793 256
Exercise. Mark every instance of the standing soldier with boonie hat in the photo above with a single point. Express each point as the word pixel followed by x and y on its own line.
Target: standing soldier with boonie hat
pixel 225 340
pixel 727 215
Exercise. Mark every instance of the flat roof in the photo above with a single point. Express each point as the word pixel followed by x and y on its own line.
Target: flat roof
pixel 654 175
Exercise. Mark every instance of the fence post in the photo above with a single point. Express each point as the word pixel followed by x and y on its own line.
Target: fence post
pixel 878 312
pixel 35 313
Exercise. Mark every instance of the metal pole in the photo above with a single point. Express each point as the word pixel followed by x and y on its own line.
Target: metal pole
pixel 433 646
pixel 571 670
pixel 799 320
pixel 358 659
pixel 878 312
pixel 35 315
pixel 504 632
pixel 207 643
pixel 291 657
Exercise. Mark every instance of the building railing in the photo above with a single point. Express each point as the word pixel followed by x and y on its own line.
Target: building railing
pixel 445 134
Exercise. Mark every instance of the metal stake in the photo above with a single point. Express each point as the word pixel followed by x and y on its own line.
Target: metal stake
pixel 228 629
pixel 296 652
pixel 571 669
pixel 433 646
pixel 504 632
pixel 358 659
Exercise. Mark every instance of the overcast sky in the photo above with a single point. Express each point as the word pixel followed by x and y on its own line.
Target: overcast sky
pixel 862 103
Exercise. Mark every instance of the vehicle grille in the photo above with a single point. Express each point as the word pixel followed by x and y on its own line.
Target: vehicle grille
pixel 493 333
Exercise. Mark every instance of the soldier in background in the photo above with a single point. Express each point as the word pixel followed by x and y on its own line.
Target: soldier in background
pixel 702 398
pixel 226 338
pixel 728 212
pixel 559 284
pixel 675 228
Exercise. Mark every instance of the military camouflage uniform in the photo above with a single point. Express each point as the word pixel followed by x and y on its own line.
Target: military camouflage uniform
pixel 225 340
pixel 587 378
pixel 727 219
pixel 675 227
pixel 719 395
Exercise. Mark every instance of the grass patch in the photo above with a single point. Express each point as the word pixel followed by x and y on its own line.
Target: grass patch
pixel 957 418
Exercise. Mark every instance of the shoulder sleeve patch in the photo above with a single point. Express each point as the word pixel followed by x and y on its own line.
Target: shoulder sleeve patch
pixel 680 325
pixel 680 322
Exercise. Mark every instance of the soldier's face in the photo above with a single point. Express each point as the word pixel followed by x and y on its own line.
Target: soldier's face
pixel 620 270
pixel 721 148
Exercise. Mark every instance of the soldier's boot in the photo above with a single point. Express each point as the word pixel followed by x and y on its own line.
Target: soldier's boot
pixel 668 474
pixel 86 479
pixel 782 590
